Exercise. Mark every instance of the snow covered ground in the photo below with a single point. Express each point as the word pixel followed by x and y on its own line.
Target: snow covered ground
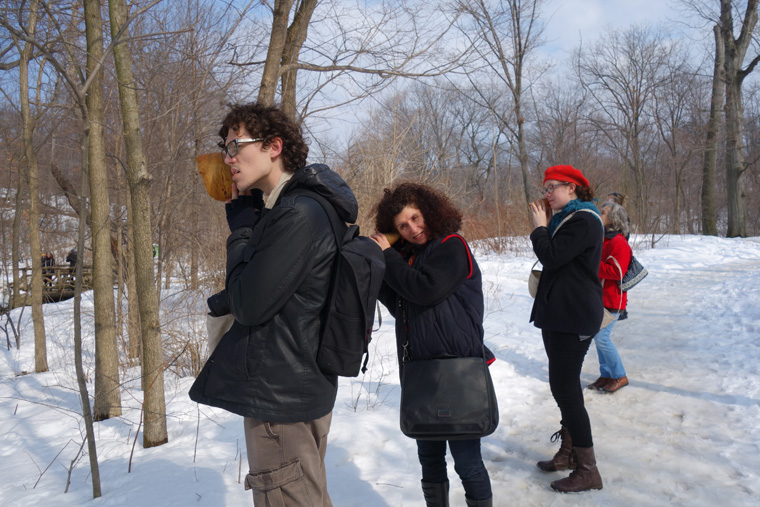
pixel 685 432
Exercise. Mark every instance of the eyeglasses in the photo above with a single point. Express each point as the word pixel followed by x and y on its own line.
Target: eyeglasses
pixel 233 147
pixel 551 188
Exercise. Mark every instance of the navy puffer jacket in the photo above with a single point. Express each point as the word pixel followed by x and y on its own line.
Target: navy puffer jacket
pixel 435 294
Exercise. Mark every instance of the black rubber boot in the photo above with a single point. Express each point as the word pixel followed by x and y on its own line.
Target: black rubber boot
pixel 480 503
pixel 436 493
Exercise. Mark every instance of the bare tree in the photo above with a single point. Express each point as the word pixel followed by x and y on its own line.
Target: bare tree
pixel 32 177
pixel 622 73
pixel 710 159
pixel 674 120
pixel 92 451
pixel 504 33
pixel 735 50
pixel 107 395
pixel 154 404
pixel 382 42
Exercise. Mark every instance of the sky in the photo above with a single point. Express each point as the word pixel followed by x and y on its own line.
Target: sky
pixel 684 432
pixel 572 21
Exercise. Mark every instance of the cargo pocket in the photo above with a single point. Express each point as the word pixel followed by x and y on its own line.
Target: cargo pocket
pixel 279 487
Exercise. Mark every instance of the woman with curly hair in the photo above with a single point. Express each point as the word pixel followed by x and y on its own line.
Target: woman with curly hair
pixel 433 289
pixel 567 240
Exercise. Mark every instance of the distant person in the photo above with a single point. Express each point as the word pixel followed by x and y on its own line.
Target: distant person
pixel 616 197
pixel 619 198
pixel 568 310
pixel 433 288
pixel 71 258
pixel 616 255
pixel 280 258
pixel 47 261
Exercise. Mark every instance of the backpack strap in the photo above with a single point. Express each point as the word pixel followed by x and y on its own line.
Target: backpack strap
pixel 339 227
pixel 340 231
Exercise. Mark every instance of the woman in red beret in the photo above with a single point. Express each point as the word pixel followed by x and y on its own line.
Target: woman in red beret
pixel 568 309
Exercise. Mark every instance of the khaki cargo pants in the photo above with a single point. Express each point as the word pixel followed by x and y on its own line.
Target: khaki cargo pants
pixel 287 462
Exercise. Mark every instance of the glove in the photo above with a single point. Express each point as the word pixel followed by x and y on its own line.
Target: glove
pixel 218 304
pixel 245 210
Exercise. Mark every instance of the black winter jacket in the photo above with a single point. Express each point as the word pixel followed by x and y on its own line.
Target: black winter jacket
pixel 278 278
pixel 569 297
pixel 437 301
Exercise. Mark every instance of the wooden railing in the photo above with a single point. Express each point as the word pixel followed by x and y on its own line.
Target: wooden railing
pixel 57 284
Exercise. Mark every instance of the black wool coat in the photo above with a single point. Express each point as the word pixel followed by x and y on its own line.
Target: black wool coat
pixel 569 296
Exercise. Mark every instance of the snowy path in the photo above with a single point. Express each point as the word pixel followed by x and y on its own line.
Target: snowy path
pixel 686 429
pixel 684 432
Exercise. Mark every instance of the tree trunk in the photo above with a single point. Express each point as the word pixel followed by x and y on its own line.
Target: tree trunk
pixel 277 39
pixel 735 185
pixel 735 51
pixel 296 36
pixel 154 405
pixel 81 381
pixel 522 150
pixel 15 261
pixel 133 305
pixel 709 163
pixel 120 268
pixel 107 395
pixel 32 175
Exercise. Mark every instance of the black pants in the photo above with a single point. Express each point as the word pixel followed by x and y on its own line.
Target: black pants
pixel 566 353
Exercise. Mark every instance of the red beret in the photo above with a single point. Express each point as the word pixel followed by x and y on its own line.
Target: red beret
pixel 566 173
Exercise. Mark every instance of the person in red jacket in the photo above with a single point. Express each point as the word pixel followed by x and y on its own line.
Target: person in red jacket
pixel 616 254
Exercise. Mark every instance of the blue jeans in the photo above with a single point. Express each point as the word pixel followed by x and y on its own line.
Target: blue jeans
pixel 610 364
pixel 467 462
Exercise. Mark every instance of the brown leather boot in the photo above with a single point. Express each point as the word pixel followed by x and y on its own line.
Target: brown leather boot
pixel 583 478
pixel 615 384
pixel 599 383
pixel 564 458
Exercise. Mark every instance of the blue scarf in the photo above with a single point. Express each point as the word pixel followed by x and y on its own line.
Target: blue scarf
pixel 570 207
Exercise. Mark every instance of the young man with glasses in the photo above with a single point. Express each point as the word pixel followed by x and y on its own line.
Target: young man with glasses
pixel 279 259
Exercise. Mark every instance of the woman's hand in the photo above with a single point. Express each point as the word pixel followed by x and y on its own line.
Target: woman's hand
pixel 540 213
pixel 381 240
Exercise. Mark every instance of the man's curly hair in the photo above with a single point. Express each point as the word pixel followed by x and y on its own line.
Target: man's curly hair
pixel 268 122
pixel 441 216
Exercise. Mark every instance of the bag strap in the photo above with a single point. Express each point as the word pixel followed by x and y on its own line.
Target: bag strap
pixel 466 247
pixel 568 217
pixel 620 270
